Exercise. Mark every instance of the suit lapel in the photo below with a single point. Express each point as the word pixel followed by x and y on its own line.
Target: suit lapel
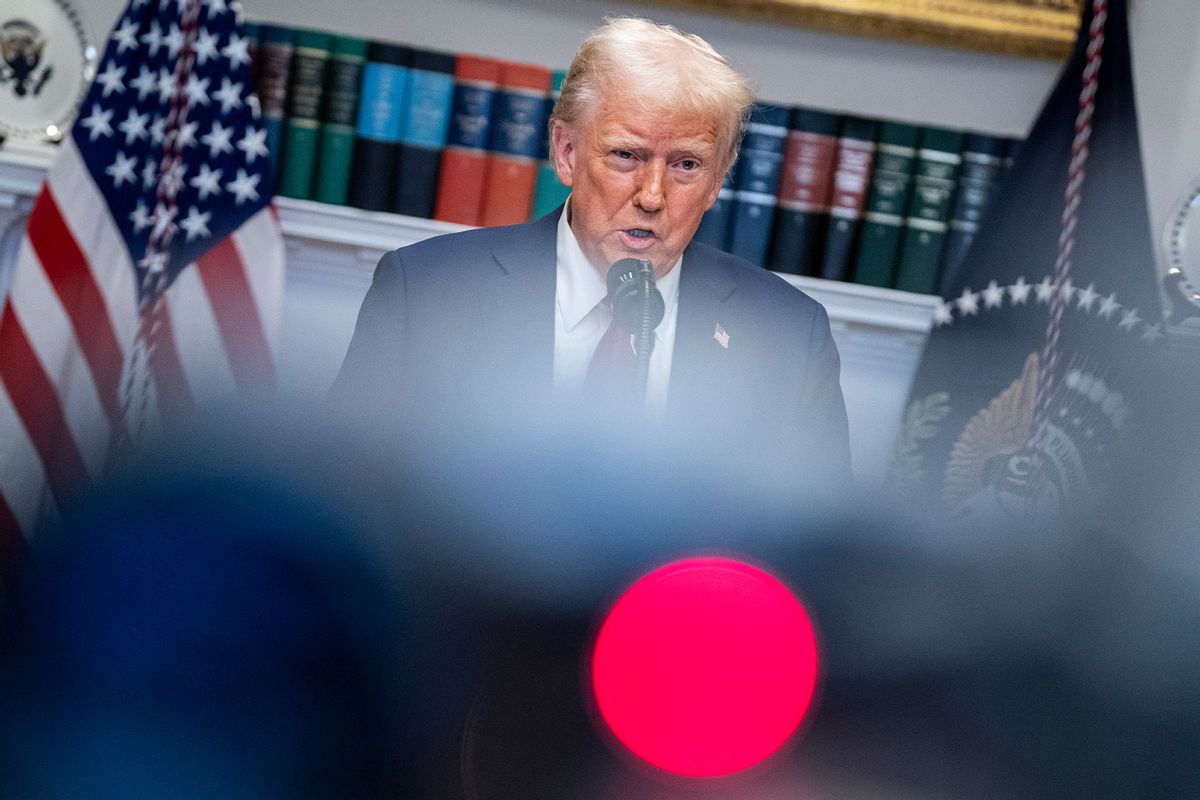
pixel 701 367
pixel 517 305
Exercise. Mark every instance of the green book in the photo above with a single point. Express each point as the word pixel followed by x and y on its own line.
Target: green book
pixel 302 127
pixel 339 118
pixel 548 193
pixel 887 201
pixel 926 226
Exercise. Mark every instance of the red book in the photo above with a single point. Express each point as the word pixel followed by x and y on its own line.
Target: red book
pixel 521 111
pixel 464 161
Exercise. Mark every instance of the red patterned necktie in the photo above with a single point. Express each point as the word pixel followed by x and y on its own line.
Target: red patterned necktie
pixel 614 365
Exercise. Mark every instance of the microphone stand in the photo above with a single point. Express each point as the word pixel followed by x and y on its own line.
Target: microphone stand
pixel 644 335
pixel 637 308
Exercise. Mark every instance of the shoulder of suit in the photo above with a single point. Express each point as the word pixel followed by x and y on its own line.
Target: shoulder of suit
pixel 459 243
pixel 751 277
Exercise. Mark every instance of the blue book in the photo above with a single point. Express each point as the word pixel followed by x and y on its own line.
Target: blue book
pixel 754 196
pixel 430 93
pixel 383 104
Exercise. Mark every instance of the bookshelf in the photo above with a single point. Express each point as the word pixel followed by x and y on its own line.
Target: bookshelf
pixel 332 252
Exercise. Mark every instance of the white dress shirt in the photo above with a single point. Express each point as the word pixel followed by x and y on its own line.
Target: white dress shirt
pixel 580 320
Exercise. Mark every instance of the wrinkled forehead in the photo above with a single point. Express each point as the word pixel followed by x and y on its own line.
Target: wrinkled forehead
pixel 652 108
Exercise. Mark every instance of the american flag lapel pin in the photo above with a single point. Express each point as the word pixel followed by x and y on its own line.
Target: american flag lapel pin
pixel 721 336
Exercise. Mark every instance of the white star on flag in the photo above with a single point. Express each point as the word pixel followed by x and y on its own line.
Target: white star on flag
pixel 993 295
pixel 207 181
pixel 230 95
pixel 121 170
pixel 218 139
pixel 1108 305
pixel 1087 297
pixel 205 46
pixel 98 122
pixel 125 36
pixel 943 314
pixel 1044 290
pixel 968 302
pixel 196 223
pixel 254 143
pixel 244 187
pixel 134 126
pixel 1018 292
pixel 112 79
pixel 145 82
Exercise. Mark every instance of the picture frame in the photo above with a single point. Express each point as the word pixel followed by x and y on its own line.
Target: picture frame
pixel 1028 28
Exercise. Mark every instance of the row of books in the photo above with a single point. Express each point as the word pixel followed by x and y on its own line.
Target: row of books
pixel 463 138
pixel 387 127
pixel 881 203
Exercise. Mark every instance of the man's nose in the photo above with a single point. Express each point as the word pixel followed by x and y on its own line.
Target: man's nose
pixel 651 186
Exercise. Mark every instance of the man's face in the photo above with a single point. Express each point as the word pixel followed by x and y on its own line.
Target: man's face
pixel 640 181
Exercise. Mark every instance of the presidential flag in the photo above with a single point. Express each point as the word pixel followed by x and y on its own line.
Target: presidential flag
pixel 1031 382
pixel 150 277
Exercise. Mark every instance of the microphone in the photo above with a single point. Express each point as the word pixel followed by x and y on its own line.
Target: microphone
pixel 637 307
pixel 630 287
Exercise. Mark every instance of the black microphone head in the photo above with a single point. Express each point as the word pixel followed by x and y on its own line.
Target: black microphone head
pixel 629 280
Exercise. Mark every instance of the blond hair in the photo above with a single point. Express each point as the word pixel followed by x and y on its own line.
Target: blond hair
pixel 663 70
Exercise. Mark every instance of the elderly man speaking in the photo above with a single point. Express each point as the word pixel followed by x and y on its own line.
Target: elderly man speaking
pixel 647 125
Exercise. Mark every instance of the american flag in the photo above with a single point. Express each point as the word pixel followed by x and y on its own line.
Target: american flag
pixel 150 277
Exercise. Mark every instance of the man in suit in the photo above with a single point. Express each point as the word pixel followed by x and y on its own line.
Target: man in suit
pixel 648 124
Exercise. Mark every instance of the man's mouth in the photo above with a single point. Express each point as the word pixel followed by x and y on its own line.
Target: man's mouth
pixel 640 233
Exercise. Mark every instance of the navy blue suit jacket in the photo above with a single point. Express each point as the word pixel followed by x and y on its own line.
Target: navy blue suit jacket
pixel 469 317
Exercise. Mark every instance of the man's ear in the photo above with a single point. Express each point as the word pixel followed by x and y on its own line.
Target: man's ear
pixel 562 152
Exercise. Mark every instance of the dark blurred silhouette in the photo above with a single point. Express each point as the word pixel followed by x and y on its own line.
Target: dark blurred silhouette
pixel 276 606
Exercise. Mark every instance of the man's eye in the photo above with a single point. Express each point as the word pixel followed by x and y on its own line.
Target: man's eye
pixel 689 164
pixel 622 154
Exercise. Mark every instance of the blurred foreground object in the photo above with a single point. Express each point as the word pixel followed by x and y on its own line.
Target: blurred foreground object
pixel 272 608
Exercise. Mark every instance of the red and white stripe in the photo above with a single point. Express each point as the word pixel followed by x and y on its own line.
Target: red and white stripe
pixel 68 327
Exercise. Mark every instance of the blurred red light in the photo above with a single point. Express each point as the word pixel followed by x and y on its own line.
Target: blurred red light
pixel 705 666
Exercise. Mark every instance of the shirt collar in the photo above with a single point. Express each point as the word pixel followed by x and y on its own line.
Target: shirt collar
pixel 580 288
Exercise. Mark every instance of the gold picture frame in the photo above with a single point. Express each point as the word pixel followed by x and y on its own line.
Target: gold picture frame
pixel 1034 28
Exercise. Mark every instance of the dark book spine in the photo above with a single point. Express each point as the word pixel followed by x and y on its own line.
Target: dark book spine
pixel 804 191
pixel 851 179
pixel 431 90
pixel 925 227
pixel 887 201
pixel 758 183
pixel 982 166
pixel 464 159
pixel 271 84
pixel 302 128
pixel 335 153
pixel 549 193
pixel 382 104
pixel 714 225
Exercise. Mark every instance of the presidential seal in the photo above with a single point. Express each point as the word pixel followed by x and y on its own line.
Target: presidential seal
pixel 46 64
